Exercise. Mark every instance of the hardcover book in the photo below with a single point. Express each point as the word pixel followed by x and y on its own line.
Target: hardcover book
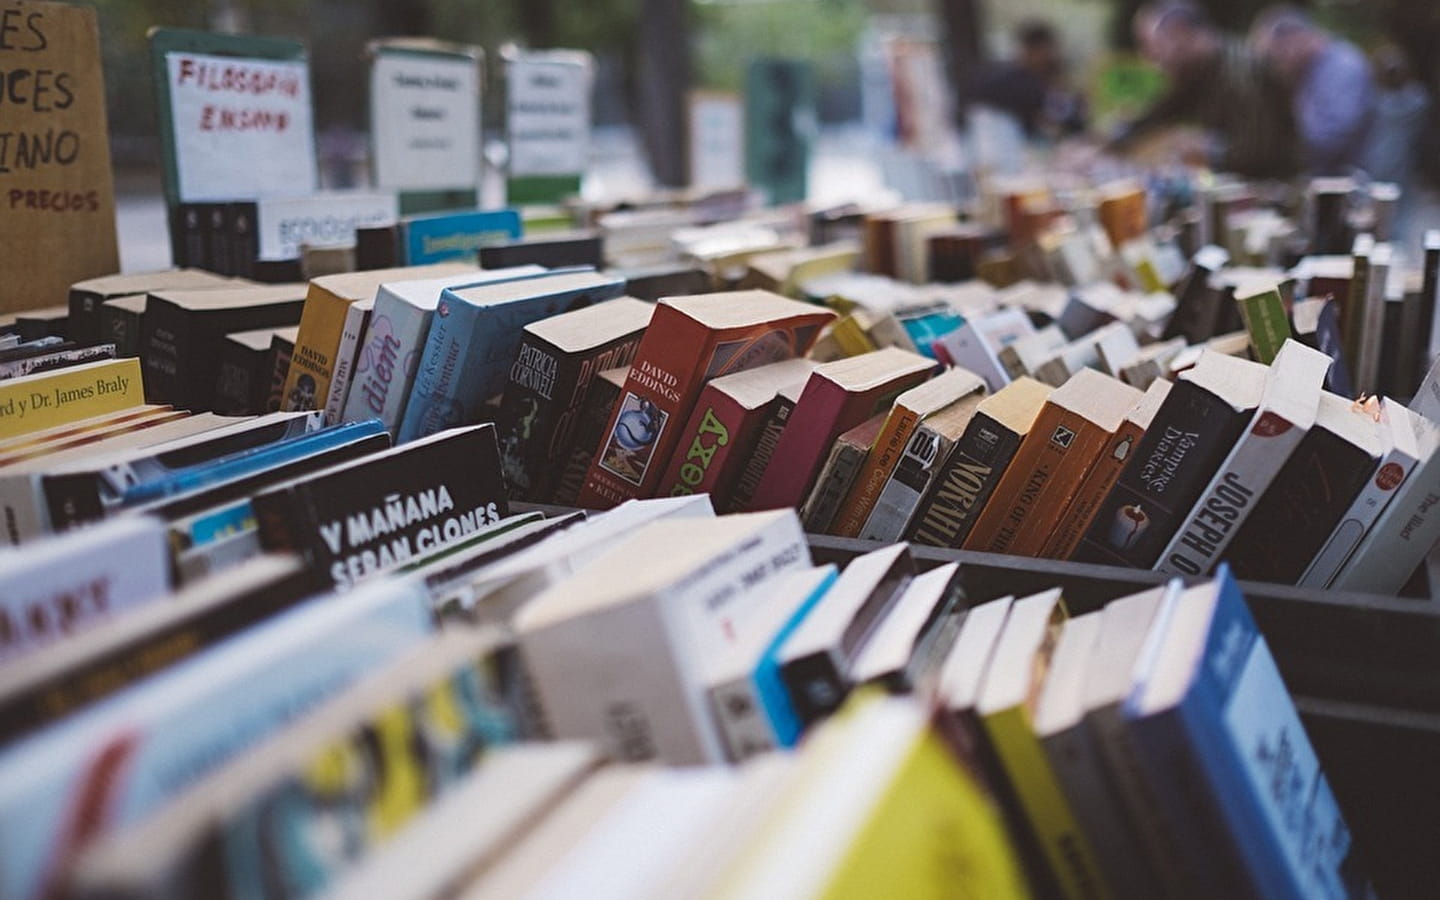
pixel 473 339
pixel 1075 426
pixel 690 341
pixel 363 517
pixel 838 396
pixel 121 323
pixel 727 421
pixel 558 359
pixel 1287 409
pixel 600 400
pixel 1195 428
pixel 322 324
pixel 980 459
pixel 182 331
pixel 242 386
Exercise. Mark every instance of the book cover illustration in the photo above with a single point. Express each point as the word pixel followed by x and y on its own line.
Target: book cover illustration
pixel 631 446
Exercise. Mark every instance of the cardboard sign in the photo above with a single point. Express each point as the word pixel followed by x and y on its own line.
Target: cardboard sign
pixel 549 112
pixel 425 120
pixel 242 127
pixel 57 193
pixel 717 140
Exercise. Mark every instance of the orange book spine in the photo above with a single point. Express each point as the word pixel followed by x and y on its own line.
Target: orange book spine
pixel 1097 484
pixel 881 461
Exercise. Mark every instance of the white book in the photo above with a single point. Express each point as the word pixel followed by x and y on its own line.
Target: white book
pixel 56 587
pixel 128 754
pixel 1406 531
pixel 1400 454
pixel 963 671
pixel 891 646
pixel 1288 404
pixel 394 339
pixel 617 652
pixel 285 224
pixel 975 344
pixel 1116 348
pixel 357 318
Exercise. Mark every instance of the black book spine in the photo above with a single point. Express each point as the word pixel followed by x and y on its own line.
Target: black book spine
pixel 84 320
pixel 1197 307
pixel 542 378
pixel 195 244
pixel 1300 509
pixel 278 366
pixel 1429 296
pixel 816 686
pixel 244 239
pixel 759 460
pixel 600 401
pixel 122 327
pixel 235 380
pixel 161 330
pixel 975 467
pixel 72 499
pixel 218 239
pixel 1184 445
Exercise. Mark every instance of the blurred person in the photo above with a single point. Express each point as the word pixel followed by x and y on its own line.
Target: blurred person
pixel 1031 87
pixel 1332 91
pixel 1402 110
pixel 1218 86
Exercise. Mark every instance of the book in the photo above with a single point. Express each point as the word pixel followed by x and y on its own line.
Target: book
pixel 1205 412
pixel 975 343
pixel 242 384
pixel 1424 326
pixel 777 416
pixel 549 379
pixel 553 251
pixel 837 397
pixel 1074 427
pixel 363 517
pixel 1152 362
pixel 121 650
pixel 1287 409
pixel 945 517
pixel 1101 477
pixel 395 338
pixel 744 686
pixel 1214 716
pixel 121 323
pixel 1025 354
pixel 1006 706
pixel 84 431
pixel 357 324
pixel 727 421
pixel 1352 305
pixel 63 586
pixel 1400 440
pixel 925 455
pixel 839 472
pixel 1316 324
pixel 282 347
pixel 264 815
pixel 664 280
pixel 899 655
pixel 141 747
pixel 1307 498
pixel 892 443
pixel 474 336
pixel 690 341
pixel 34 403
pixel 182 332
pixel 85 325
pixel 284 227
pixel 1406 530
pixel 815 661
pixel 600 400
pixel 456 236
pixel 1371 320
pixel 1265 321
pixel 61 357
pixel 1197 305
pixel 322 323
pixel 620 662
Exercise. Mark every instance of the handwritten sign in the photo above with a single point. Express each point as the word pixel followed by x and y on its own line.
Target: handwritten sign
pixel 57 193
pixel 243 127
pixel 549 112
pixel 425 121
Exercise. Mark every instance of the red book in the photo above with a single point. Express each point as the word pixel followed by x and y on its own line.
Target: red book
pixel 839 396
pixel 723 429
pixel 690 340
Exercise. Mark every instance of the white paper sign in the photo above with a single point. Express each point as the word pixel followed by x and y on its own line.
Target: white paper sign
pixel 717 141
pixel 549 114
pixel 319 220
pixel 425 115
pixel 243 127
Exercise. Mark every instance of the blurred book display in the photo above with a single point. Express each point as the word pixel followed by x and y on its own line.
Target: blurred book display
pixel 1071 536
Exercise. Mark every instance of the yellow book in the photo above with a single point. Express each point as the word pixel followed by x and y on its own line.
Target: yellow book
pixel 910 408
pixel 850 334
pixel 37 402
pixel 322 325
pixel 1006 708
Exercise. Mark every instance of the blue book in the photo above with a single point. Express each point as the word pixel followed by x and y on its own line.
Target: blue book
pixel 473 339
pixel 785 723
pixel 248 462
pixel 1214 722
pixel 115 762
pixel 926 329
pixel 457 235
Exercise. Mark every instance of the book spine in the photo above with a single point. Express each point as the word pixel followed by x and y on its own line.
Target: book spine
pixel 969 349
pixel 743 726
pixel 836 477
pixel 23 505
pixel 1353 312
pixel 541 378
pixel 1429 296
pixel 279 369
pixel 1265 322
pixel 385 367
pixel 707 443
pixel 49 362
pixel 440 366
pixel 322 322
pixel 1184 446
pixel 916 471
pixel 743 497
pixel 970 477
pixel 357 319
pixel 1400 540
pixel 890 444
pixel 1093 489
pixel 1394 470
pixel 1372 327
pixel 816 686
pixel 600 401
pixel 66 396
pixel 218 243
